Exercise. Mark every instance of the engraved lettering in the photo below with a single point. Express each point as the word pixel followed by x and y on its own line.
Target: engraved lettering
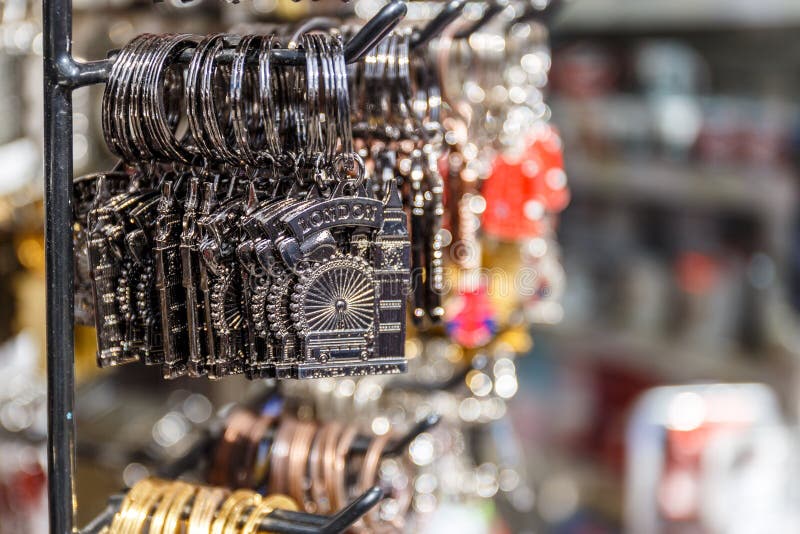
pixel 337 212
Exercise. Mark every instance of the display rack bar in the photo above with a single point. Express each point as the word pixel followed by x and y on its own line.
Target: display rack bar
pixel 76 74
pixel 57 45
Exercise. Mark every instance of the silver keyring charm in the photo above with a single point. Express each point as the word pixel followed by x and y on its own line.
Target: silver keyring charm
pixel 267 104
pixel 240 119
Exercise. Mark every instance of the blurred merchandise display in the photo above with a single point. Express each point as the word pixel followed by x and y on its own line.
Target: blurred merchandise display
pixel 23 427
pixel 697 452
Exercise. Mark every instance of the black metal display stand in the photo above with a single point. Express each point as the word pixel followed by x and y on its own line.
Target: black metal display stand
pixel 62 75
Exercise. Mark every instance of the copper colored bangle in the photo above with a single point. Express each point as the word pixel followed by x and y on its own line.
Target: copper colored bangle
pixel 400 497
pixel 317 482
pixel 174 517
pixel 237 459
pixel 298 460
pixel 339 486
pixel 245 473
pixel 403 500
pixel 328 459
pixel 369 472
pixel 204 509
pixel 280 455
pixel 221 472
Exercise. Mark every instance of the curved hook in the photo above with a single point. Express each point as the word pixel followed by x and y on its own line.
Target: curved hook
pixel 544 16
pixel 449 13
pixel 494 8
pixel 374 30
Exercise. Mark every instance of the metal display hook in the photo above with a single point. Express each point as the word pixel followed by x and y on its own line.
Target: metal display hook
pixel 449 13
pixel 398 445
pixel 478 363
pixel 544 15
pixel 493 8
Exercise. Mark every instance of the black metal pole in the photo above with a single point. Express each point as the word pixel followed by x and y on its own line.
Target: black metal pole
pixel 57 15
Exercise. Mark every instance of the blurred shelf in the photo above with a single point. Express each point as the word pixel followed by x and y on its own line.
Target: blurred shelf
pixel 667 359
pixel 680 15
pixel 765 191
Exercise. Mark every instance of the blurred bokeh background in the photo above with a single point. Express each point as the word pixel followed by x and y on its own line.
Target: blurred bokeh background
pixel 661 398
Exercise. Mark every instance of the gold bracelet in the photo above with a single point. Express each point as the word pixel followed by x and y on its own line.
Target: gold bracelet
pixel 237 515
pixel 281 502
pixel 139 512
pixel 251 526
pixel 159 516
pixel 138 491
pixel 205 507
pixel 232 507
pixel 174 517
pixel 138 503
pixel 268 505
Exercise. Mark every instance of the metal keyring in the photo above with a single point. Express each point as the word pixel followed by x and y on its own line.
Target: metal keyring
pixel 161 124
pixel 108 105
pixel 133 143
pixel 344 124
pixel 379 104
pixel 210 112
pixel 412 122
pixel 247 154
pixel 135 119
pixel 313 129
pixel 327 132
pixel 344 164
pixel 323 103
pixel 113 127
pixel 406 88
pixel 267 104
pixel 193 97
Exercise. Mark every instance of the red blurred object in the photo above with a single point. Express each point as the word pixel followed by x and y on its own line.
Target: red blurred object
pixel 680 478
pixel 696 273
pixel 470 318
pixel 521 191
